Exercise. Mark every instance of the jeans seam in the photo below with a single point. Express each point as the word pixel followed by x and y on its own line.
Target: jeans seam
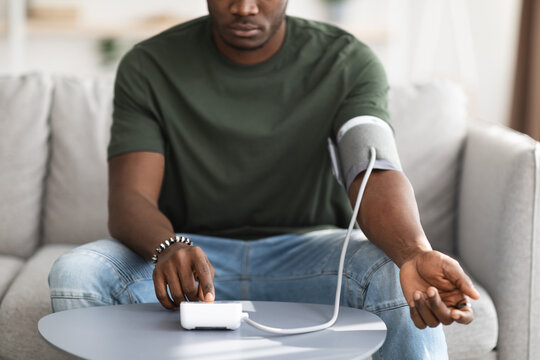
pixel 352 257
pixel 364 283
pixel 115 295
pixel 228 278
pixel 374 269
pixel 348 277
pixel 390 307
pixel 113 262
pixel 71 297
pixel 336 247
pixel 296 277
pixel 126 289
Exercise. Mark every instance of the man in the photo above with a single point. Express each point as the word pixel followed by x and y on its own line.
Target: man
pixel 220 133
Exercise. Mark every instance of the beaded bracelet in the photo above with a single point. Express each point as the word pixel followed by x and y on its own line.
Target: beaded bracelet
pixel 169 242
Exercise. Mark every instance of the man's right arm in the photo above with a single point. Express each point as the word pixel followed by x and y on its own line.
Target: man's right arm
pixel 134 219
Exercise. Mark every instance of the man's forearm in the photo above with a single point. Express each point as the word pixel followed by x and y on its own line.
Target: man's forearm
pixel 389 215
pixel 137 222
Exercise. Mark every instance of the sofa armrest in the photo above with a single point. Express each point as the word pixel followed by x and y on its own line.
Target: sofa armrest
pixel 498 220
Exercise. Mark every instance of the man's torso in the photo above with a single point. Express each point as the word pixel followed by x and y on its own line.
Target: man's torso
pixel 246 146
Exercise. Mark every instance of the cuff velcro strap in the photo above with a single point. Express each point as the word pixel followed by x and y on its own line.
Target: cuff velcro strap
pixel 355 138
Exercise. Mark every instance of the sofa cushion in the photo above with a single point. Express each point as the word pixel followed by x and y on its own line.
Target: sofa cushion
pixel 499 230
pixel 76 191
pixel 430 126
pixel 479 338
pixel 9 267
pixel 26 301
pixel 24 132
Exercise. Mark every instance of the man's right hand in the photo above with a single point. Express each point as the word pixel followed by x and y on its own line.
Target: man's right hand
pixel 181 267
pixel 135 180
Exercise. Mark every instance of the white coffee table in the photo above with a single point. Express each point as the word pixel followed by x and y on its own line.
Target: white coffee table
pixel 147 331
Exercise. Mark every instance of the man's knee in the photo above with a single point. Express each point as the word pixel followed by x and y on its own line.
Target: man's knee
pixel 80 278
pixel 70 270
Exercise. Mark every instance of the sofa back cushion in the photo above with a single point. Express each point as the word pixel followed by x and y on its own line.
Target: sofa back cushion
pixel 430 125
pixel 75 204
pixel 24 132
pixel 429 121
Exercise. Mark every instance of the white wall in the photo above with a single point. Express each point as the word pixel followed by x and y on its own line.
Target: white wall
pixel 479 53
pixel 493 38
pixel 495 31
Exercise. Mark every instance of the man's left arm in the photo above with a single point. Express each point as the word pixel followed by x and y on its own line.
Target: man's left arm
pixel 434 285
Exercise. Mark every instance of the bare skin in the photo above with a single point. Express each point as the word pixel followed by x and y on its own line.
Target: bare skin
pixel 249 32
pixel 434 284
pixel 135 219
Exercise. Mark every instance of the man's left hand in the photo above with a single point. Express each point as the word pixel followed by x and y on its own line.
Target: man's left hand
pixel 437 290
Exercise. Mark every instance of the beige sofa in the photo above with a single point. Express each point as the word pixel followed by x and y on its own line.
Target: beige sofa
pixel 477 187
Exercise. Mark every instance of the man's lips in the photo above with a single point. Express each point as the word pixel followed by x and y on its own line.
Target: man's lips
pixel 247 30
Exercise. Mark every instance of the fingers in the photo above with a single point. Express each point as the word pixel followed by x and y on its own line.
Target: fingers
pixel 189 286
pixel 181 271
pixel 432 311
pixel 415 316
pixel 424 311
pixel 160 286
pixel 175 289
pixel 456 275
pixel 206 279
pixel 463 314
pixel 438 307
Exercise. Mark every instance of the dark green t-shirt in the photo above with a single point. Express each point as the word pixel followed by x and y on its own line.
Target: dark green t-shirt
pixel 246 146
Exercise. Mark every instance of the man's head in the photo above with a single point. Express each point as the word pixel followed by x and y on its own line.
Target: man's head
pixel 241 26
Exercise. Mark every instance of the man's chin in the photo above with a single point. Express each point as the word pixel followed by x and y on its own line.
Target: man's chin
pixel 245 44
pixel 246 48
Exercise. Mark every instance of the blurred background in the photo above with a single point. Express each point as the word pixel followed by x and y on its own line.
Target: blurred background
pixel 472 42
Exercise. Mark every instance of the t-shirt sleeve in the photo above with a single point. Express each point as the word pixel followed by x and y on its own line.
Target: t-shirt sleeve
pixel 135 126
pixel 362 120
pixel 368 88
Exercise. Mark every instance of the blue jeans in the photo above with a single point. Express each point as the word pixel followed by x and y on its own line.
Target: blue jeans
pixel 292 267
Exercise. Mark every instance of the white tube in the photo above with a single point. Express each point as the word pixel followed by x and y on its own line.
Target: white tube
pixel 332 321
